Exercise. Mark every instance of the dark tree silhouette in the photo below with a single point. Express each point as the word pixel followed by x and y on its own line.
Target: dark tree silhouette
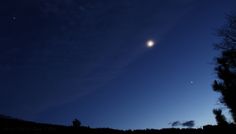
pixel 226 66
pixel 220 118
pixel 76 123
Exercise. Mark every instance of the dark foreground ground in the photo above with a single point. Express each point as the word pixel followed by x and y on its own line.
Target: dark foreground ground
pixel 15 125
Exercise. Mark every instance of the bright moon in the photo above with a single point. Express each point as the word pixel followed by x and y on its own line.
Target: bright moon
pixel 150 43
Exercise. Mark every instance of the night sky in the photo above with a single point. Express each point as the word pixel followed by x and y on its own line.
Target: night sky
pixel 89 59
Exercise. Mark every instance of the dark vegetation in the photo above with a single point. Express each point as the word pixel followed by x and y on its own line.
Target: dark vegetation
pixel 76 123
pixel 220 118
pixel 226 69
pixel 8 124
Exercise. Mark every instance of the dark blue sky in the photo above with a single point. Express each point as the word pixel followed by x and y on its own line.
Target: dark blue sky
pixel 87 59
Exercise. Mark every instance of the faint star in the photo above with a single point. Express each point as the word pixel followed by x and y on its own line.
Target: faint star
pixel 191 82
pixel 13 18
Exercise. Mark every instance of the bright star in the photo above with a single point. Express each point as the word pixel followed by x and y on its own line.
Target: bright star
pixel 150 43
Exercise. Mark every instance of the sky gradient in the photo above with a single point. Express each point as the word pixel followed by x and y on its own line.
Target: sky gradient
pixel 87 59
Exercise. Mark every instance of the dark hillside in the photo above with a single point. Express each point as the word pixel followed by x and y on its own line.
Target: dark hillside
pixel 8 124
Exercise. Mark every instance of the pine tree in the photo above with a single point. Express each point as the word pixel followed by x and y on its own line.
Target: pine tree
pixel 226 66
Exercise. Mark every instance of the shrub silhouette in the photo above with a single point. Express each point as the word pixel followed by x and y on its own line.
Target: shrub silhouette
pixel 220 118
pixel 76 123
